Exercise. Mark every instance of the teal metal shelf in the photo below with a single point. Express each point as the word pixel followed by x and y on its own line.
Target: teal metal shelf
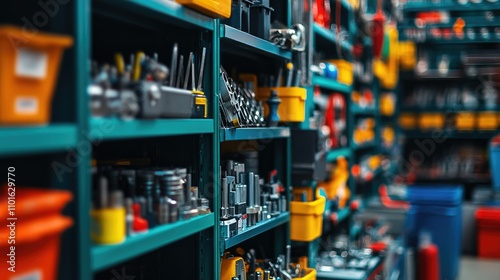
pixel 114 129
pixel 421 7
pixel 356 110
pixel 461 41
pixel 435 75
pixel 433 109
pixel 363 146
pixel 168 11
pixel 256 230
pixel 332 155
pixel 247 42
pixel 331 37
pixel 253 133
pixel 107 255
pixel 17 141
pixel 331 84
pixel 450 134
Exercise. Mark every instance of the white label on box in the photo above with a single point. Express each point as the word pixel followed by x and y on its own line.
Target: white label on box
pixel 33 275
pixel 31 63
pixel 26 105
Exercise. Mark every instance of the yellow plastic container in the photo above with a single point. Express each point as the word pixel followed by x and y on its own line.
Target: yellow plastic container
pixel 345 71
pixel 293 102
pixel 431 121
pixel 487 121
pixel 28 73
pixel 306 222
pixel 213 8
pixel 465 121
pixel 407 55
pixel 407 121
pixel 387 104
pixel 298 191
pixel 108 225
pixel 310 275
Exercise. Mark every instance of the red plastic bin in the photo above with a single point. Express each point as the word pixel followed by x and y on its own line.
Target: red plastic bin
pixel 488 228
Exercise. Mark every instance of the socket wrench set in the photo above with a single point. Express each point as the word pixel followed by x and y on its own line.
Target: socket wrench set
pixel 238 107
pixel 148 89
pixel 247 200
pixel 145 198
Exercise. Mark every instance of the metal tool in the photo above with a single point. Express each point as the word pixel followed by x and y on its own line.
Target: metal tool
pixel 202 67
pixel 180 73
pixel 289 38
pixel 298 78
pixel 186 77
pixel 289 78
pixel 273 103
pixel 173 67
pixel 278 78
pixel 193 82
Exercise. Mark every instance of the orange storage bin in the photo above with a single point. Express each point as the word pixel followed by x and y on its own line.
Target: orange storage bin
pixel 28 75
pixel 407 121
pixel 465 121
pixel 37 232
pixel 32 202
pixel 431 121
pixel 487 121
pixel 488 232
pixel 213 8
pixel 306 222
pixel 36 249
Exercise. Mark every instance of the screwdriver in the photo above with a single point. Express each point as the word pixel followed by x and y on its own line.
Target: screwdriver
pixel 173 65
pixel 181 69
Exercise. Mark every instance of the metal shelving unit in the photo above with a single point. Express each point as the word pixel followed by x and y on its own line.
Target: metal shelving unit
pixel 52 138
pixel 114 129
pixel 331 84
pixel 235 38
pixel 106 256
pixel 253 133
pixel 256 230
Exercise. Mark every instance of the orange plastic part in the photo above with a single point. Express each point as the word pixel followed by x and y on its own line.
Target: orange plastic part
pixel 35 202
pixel 213 8
pixel 28 74
pixel 36 248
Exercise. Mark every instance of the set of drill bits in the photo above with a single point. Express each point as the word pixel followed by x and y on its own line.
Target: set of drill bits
pixel 238 105
pixel 150 197
pixel 247 200
pixel 146 88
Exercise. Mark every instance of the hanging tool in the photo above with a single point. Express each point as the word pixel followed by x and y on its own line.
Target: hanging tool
pixel 181 70
pixel 193 82
pixel 202 66
pixel 136 71
pixel 186 77
pixel 173 67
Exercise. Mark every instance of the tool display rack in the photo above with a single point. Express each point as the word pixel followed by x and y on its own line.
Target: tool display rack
pixel 324 40
pixel 474 15
pixel 59 155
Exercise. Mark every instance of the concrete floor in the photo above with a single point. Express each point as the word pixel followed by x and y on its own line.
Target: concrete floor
pixel 473 268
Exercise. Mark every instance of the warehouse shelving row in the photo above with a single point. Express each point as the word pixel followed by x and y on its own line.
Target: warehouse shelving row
pixel 451 134
pixel 72 126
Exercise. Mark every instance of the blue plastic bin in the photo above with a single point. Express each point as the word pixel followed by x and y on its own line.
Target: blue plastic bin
pixel 437 209
pixel 495 166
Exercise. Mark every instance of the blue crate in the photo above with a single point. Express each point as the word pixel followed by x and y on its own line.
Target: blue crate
pixel 437 209
pixel 495 166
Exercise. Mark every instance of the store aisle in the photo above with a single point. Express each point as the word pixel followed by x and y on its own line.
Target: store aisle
pixel 475 268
